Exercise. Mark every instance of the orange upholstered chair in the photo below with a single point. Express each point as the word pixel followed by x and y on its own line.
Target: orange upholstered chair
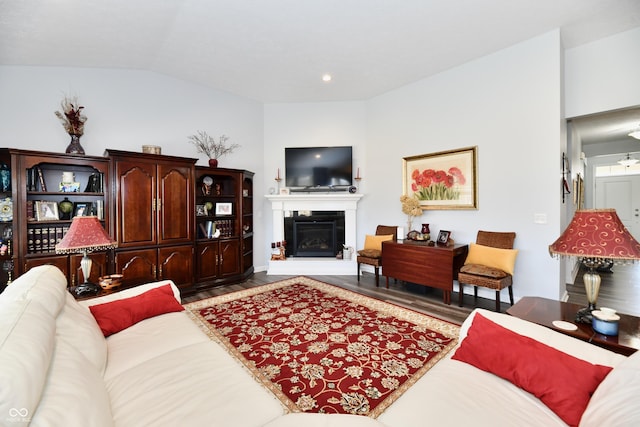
pixel 489 264
pixel 372 252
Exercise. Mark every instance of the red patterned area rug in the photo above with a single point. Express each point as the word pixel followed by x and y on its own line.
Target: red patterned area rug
pixel 321 348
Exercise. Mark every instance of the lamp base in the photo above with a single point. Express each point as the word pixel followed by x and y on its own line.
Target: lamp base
pixel 85 289
pixel 584 315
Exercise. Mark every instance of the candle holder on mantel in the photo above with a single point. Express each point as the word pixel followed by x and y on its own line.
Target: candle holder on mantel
pixel 277 178
pixel 358 177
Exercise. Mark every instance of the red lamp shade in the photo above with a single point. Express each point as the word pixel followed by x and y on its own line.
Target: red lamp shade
pixel 85 234
pixel 596 233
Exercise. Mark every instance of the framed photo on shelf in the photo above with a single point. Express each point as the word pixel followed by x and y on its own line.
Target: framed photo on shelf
pixel 201 210
pixel 46 211
pixel 443 180
pixel 224 208
pixel 443 237
pixel 81 209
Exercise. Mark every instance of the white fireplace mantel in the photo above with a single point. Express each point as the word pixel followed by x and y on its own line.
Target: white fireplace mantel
pixel 283 203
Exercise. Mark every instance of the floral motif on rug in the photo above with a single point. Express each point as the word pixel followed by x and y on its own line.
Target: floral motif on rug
pixel 321 348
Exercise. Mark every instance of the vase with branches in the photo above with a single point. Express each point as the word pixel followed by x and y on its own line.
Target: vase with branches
pixel 73 121
pixel 213 149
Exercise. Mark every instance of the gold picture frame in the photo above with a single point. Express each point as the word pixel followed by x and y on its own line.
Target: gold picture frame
pixel 443 180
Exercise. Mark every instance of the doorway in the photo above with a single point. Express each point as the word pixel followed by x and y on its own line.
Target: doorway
pixel 621 193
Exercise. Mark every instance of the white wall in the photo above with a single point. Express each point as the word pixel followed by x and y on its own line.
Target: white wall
pixel 127 109
pixel 508 104
pixel 603 75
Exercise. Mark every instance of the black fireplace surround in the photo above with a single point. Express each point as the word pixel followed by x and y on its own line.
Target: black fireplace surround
pixel 314 233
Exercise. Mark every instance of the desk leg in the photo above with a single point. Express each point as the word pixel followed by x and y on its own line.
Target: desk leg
pixel 446 296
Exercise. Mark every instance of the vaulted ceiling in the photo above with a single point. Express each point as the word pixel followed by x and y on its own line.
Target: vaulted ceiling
pixel 277 50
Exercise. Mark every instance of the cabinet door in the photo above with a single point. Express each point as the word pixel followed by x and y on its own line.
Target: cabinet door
pixel 98 268
pixel 60 261
pixel 229 259
pixel 175 211
pixel 175 263
pixel 135 204
pixel 206 261
pixel 137 266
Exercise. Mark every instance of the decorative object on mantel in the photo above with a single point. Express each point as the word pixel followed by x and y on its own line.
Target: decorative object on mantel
pixel 596 237
pixel 206 144
pixel 73 121
pixel 278 177
pixel 358 177
pixel 411 208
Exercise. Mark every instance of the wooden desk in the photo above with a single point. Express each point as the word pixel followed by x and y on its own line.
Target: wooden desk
pixel 416 262
pixel 543 311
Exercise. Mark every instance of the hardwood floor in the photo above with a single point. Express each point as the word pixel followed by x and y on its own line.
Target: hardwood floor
pixel 416 297
pixel 619 290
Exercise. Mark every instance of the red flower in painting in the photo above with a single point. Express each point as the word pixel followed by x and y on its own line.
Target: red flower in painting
pixel 439 176
pixel 457 173
pixel 431 184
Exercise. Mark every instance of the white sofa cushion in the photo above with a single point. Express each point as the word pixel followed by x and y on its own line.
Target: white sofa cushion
pixel 76 325
pixel 196 385
pixel 611 404
pixel 44 283
pixel 74 394
pixel 27 335
pixel 149 339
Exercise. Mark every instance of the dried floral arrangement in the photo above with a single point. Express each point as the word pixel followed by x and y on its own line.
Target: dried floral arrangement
pixel 411 208
pixel 71 116
pixel 207 144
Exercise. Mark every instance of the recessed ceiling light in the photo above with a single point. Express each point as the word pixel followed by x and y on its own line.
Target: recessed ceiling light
pixel 326 77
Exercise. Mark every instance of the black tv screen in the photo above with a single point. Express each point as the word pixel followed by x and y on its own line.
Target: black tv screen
pixel 307 167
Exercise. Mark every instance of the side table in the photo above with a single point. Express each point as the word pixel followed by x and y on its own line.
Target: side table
pixel 417 262
pixel 543 311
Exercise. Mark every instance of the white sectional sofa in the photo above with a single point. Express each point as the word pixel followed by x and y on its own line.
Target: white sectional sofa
pixel 57 369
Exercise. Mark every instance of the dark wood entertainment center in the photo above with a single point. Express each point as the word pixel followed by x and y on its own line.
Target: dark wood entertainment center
pixel 146 202
pixel 417 262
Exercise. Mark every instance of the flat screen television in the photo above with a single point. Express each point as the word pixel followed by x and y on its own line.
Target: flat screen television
pixel 312 167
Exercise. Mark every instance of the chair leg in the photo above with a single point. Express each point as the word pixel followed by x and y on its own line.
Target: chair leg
pixel 511 295
pixel 358 272
pixel 460 293
pixel 475 293
pixel 377 276
pixel 497 301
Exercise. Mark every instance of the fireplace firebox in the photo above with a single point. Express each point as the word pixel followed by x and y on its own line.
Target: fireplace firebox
pixel 315 234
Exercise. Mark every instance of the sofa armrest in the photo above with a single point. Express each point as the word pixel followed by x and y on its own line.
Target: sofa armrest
pixel 131 292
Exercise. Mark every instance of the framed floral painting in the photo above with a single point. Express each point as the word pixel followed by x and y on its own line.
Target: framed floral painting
pixel 443 180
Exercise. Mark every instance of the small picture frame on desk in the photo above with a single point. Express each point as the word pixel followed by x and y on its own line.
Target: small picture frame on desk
pixel 443 237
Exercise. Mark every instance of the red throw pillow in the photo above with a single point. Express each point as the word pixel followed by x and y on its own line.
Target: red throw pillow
pixel 562 382
pixel 117 315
